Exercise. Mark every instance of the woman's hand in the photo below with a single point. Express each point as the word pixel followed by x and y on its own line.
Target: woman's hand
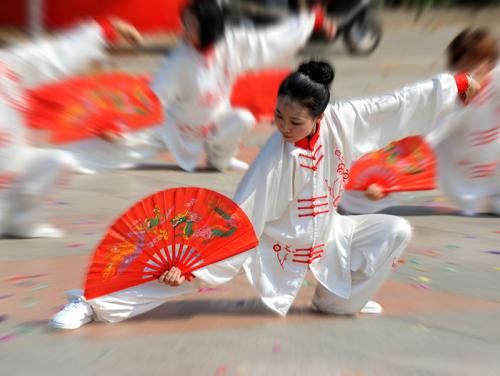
pixel 172 277
pixel 126 31
pixel 472 90
pixel 375 192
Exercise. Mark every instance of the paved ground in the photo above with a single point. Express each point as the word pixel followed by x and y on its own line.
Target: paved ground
pixel 442 304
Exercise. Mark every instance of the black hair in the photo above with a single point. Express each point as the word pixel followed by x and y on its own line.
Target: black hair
pixel 472 46
pixel 310 86
pixel 210 19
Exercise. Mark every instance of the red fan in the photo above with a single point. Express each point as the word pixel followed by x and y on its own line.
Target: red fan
pixel 189 228
pixel 405 165
pixel 80 108
pixel 257 91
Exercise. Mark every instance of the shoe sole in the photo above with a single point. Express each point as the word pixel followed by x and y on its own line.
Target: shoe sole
pixel 57 326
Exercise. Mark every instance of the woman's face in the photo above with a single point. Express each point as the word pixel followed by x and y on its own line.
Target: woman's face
pixel 191 28
pixel 293 120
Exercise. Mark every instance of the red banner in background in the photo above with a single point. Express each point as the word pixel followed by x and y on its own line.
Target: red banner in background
pixel 147 15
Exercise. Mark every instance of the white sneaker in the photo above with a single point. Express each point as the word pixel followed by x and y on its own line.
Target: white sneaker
pixel 372 307
pixel 237 165
pixel 74 314
pixel 41 231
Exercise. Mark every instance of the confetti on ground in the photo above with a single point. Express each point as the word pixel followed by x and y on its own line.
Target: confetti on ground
pixel 497 232
pixel 420 286
pixel 62 203
pixel 89 233
pixel 86 223
pixel 221 370
pixel 23 277
pixel 3 318
pixel 8 337
pixel 421 269
pixel 470 237
pixel 424 279
pixel 493 252
pixel 40 287
pixel 25 284
pixel 430 252
pixel 497 268
pixel 450 269
pixel 307 283
pixel 30 303
pixel 415 262
pixel 276 348
pixel 209 289
pixel 2 297
pixel 24 329
pixel 76 245
pixel 451 246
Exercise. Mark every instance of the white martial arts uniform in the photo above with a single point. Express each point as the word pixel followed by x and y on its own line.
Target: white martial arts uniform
pixel 195 89
pixel 467 147
pixel 27 174
pixel 291 193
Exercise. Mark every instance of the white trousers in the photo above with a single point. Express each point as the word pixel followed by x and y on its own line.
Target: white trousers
pixel 220 146
pixel 36 175
pixel 378 240
pixel 231 127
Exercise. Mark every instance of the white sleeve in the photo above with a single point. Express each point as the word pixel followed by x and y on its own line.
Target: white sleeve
pixel 415 109
pixel 167 80
pixel 250 48
pixel 270 185
pixel 53 58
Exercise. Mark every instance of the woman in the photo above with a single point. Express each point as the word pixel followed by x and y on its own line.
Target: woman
pixel 291 193
pixel 27 174
pixel 467 143
pixel 195 84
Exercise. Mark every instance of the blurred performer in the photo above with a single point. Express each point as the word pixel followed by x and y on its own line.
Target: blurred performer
pixel 27 174
pixel 467 143
pixel 195 86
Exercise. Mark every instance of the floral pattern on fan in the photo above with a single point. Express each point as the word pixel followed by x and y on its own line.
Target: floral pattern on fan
pixel 184 225
pixel 408 164
pixel 189 228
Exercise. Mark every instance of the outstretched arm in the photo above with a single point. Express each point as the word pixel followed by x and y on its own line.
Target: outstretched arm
pixel 48 59
pixel 415 109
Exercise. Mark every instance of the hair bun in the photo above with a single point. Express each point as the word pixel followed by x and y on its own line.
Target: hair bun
pixel 318 71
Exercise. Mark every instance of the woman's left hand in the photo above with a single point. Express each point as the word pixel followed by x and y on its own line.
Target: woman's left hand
pixel 375 192
pixel 126 31
pixel 472 90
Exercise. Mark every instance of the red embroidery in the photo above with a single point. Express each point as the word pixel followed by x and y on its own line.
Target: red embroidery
pixel 202 132
pixel 314 158
pixel 210 99
pixel 308 255
pixel 5 139
pixel 335 190
pixel 299 255
pixel 479 138
pixel 485 94
pixel 6 180
pixel 15 94
pixel 483 170
pixel 309 210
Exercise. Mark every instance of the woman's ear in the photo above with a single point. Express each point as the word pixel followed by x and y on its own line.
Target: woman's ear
pixel 320 117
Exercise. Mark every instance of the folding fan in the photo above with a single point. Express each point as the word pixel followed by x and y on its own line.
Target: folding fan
pixel 408 164
pixel 80 108
pixel 257 91
pixel 189 228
